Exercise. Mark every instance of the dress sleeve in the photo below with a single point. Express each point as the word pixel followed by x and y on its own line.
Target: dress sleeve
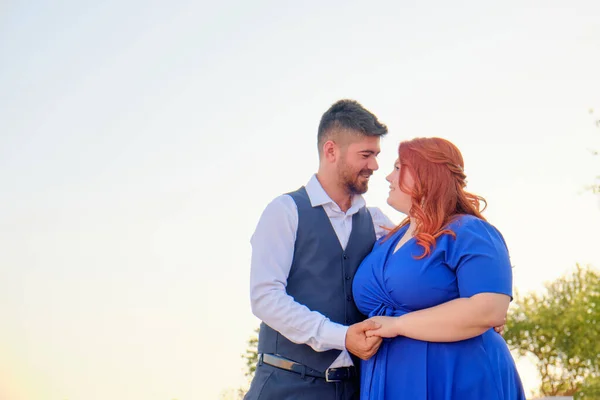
pixel 480 258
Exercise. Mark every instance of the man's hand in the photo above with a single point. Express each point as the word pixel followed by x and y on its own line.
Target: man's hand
pixel 500 329
pixel 357 341
pixel 388 327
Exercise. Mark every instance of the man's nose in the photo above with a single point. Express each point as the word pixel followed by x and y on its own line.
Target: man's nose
pixel 373 165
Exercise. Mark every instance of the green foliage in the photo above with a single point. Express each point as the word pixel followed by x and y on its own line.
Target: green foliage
pixel 251 355
pixel 560 329
pixel 251 358
pixel 590 390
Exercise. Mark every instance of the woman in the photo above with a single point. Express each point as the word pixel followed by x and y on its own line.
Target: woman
pixel 437 284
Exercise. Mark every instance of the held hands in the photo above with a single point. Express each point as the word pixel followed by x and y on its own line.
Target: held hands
pixel 500 329
pixel 357 341
pixel 388 327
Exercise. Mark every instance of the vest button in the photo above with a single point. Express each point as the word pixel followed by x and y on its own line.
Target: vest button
pixel 345 256
pixel 349 298
pixel 348 277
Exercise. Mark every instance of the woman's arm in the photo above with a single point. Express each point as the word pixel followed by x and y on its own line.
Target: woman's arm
pixel 452 321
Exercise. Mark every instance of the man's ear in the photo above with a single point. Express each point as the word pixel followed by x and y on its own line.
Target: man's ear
pixel 330 151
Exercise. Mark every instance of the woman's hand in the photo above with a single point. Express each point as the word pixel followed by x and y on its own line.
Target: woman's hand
pixel 388 328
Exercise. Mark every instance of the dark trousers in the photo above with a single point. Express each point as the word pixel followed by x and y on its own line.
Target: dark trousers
pixel 271 383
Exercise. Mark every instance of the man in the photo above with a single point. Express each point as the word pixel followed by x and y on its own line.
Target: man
pixel 305 252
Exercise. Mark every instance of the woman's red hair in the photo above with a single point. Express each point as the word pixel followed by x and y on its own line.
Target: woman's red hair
pixel 438 195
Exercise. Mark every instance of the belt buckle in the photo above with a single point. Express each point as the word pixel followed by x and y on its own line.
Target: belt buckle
pixel 327 376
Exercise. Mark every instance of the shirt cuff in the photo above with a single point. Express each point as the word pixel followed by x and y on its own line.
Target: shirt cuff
pixel 333 336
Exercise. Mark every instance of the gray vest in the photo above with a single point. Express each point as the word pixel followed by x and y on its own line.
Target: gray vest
pixel 321 277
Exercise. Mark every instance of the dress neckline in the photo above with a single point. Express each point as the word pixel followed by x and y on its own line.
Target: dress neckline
pixel 397 240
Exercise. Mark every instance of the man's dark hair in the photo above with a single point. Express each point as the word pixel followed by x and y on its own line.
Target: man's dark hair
pixel 351 116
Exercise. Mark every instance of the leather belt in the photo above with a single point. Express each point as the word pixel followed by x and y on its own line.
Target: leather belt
pixel 330 375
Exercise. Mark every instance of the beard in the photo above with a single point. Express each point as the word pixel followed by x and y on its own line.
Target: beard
pixel 355 182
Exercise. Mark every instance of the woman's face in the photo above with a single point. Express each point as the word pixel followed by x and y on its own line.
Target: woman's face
pixel 397 198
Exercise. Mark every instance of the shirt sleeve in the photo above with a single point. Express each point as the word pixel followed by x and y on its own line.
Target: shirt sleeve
pixel 382 224
pixel 480 258
pixel 272 253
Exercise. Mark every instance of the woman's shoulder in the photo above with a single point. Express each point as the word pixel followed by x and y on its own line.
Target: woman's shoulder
pixel 476 242
pixel 467 223
pixel 471 230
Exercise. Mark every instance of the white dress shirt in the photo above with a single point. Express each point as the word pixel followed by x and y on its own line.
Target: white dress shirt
pixel 272 252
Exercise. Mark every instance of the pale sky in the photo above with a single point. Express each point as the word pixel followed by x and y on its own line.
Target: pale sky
pixel 141 140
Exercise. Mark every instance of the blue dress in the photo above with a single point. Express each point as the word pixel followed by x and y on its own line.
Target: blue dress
pixel 393 284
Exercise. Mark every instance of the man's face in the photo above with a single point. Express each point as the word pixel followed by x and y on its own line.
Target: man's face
pixel 357 162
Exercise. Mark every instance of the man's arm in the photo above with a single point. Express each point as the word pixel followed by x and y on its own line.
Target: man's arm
pixel 272 253
pixel 381 222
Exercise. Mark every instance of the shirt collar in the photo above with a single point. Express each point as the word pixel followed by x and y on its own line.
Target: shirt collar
pixel 318 196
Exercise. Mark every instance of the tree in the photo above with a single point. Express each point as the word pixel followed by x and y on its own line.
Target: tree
pixel 590 389
pixel 559 327
pixel 251 358
pixel 251 355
